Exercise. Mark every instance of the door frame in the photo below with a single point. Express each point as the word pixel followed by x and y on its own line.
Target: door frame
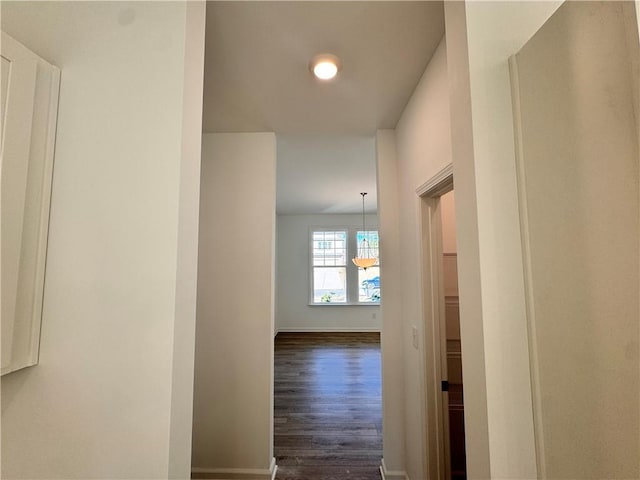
pixel 437 455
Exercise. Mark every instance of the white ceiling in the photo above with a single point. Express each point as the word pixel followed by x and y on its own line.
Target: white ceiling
pixel 325 174
pixel 257 79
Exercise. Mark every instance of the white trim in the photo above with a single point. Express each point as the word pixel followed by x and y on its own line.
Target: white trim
pixel 236 473
pixel 436 454
pixel 433 186
pixel 328 228
pixel 525 237
pixel 328 329
pixel 361 304
pixel 392 474
pixel 45 212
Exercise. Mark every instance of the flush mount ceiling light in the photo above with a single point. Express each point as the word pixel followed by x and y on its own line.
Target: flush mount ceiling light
pixel 364 259
pixel 325 66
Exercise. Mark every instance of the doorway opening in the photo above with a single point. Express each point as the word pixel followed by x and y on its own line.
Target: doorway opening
pixel 327 356
pixel 444 395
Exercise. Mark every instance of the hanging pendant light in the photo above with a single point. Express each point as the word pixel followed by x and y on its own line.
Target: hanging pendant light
pixel 364 260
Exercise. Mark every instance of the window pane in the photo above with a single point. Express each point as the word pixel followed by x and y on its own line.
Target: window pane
pixel 368 246
pixel 329 248
pixel 329 285
pixel 369 282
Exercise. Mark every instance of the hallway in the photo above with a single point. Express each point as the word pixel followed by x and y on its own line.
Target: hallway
pixel 328 409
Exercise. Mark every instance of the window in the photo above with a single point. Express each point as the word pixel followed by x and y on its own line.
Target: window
pixel 369 279
pixel 329 266
pixel 334 277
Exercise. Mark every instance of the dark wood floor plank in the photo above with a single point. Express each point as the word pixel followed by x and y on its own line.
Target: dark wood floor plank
pixel 327 406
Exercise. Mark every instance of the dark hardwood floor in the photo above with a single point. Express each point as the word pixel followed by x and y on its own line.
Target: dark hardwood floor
pixel 328 407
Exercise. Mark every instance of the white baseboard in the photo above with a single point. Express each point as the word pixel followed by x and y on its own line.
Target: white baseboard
pixel 328 329
pixel 235 473
pixel 392 474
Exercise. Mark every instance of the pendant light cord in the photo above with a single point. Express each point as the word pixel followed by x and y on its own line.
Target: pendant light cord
pixel 365 244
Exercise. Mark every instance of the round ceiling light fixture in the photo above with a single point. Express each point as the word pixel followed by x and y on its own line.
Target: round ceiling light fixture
pixel 325 66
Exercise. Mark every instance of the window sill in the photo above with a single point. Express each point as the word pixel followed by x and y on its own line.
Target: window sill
pixel 360 304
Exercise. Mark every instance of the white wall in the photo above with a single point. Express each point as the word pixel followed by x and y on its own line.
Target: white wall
pixel 293 280
pixel 498 395
pixel 448 213
pixel 423 148
pixel 99 403
pixel 449 244
pixel 233 398
pixel 439 126
pixel 637 10
pixel 580 173
pixel 187 262
pixel 392 329
pixel 475 398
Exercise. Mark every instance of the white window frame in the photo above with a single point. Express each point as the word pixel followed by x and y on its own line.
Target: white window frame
pixel 353 288
pixel 312 266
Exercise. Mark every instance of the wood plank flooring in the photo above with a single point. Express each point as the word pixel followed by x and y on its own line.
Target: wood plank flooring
pixel 328 407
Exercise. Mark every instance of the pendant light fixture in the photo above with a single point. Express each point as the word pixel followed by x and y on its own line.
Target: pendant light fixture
pixel 365 259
